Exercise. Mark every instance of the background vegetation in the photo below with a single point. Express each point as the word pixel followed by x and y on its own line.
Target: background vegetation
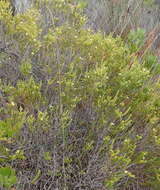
pixel 79 96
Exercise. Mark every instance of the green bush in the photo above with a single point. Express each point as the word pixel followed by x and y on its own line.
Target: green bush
pixel 76 116
pixel 7 177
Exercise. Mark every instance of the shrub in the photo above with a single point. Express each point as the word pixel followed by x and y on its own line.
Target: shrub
pixel 75 114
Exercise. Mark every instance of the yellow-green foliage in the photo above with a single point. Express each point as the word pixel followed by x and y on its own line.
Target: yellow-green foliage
pixel 87 73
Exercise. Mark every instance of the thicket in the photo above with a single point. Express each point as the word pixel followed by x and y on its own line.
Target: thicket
pixel 79 109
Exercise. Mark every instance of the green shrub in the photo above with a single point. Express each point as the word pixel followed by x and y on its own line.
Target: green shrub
pixel 7 177
pixel 77 110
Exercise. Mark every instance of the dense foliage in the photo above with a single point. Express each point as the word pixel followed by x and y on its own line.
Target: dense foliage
pixel 79 109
